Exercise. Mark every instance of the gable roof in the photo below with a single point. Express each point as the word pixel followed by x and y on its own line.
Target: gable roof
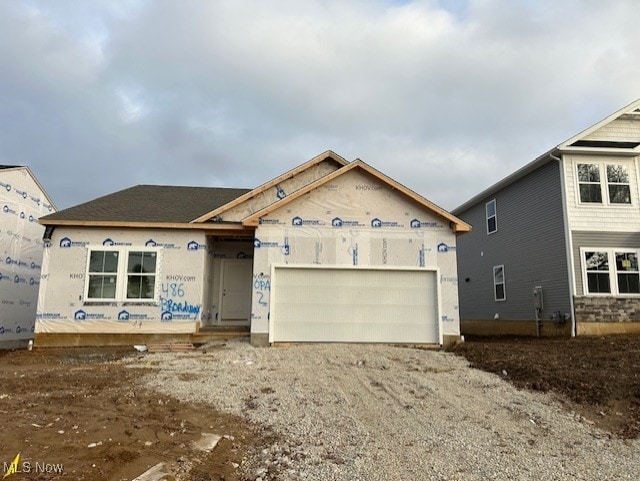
pixel 568 146
pixel 33 177
pixel 149 204
pixel 508 180
pixel 273 182
pixel 457 225
pixel 628 146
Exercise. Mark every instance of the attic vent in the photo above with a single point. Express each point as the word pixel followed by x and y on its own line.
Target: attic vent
pixel 605 144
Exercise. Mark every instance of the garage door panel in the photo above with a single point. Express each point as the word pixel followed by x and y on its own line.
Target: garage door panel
pixel 315 304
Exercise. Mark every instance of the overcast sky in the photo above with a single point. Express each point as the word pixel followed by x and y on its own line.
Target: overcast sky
pixel 446 97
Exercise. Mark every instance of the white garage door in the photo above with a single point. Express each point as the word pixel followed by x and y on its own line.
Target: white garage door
pixel 319 304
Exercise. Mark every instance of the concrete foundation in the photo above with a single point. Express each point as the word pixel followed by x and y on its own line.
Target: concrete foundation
pixel 607 328
pixel 12 345
pixel 259 339
pixel 448 341
pixel 101 340
pixel 492 327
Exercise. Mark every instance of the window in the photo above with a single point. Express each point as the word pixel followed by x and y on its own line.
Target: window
pixel 628 276
pixel 492 218
pixel 122 274
pixel 589 182
pixel 103 274
pixel 617 183
pixel 597 265
pixel 611 271
pixel 498 284
pixel 141 275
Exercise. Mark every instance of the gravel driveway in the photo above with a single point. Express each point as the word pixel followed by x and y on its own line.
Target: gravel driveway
pixel 372 412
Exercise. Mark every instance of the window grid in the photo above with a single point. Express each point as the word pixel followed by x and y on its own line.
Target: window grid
pixel 610 271
pixel 102 275
pixel 615 182
pixel 122 274
pixel 141 275
pixel 499 291
pixel 491 216
pixel 618 184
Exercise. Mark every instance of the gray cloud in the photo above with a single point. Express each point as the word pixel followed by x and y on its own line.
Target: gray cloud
pixel 108 95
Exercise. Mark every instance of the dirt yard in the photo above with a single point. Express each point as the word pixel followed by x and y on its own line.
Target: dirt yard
pixel 81 411
pixel 598 376
pixel 77 411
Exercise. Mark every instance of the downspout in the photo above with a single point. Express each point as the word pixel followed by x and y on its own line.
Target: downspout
pixel 568 243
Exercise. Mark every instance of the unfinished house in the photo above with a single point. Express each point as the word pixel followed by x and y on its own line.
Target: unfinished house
pixel 330 251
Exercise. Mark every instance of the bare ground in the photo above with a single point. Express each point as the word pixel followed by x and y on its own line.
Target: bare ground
pixel 598 376
pixel 56 403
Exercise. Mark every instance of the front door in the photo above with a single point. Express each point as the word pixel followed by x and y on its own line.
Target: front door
pixel 235 302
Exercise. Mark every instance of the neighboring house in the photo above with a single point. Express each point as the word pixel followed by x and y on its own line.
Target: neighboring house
pixel 328 252
pixel 555 245
pixel 22 202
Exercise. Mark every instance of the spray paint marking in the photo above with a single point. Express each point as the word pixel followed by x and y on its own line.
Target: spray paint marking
pixel 261 284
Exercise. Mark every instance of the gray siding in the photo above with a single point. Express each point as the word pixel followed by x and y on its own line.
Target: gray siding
pixel 530 243
pixel 599 239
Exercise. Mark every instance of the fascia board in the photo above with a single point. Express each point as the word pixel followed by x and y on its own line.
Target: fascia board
pixel 518 174
pixel 287 175
pixel 209 227
pixel 632 106
pixel 457 224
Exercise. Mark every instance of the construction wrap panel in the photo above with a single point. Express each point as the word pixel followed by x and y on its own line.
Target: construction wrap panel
pixel 22 202
pixel 177 303
pixel 279 191
pixel 355 220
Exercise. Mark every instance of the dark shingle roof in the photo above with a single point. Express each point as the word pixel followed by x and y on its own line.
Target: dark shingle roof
pixel 150 203
pixel 9 166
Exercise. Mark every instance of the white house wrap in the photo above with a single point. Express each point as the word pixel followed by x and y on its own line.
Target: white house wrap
pixel 329 252
pixel 357 221
pixel 22 202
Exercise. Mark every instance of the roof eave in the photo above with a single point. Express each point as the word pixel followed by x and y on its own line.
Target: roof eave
pixel 633 105
pixel 457 225
pixel 35 179
pixel 287 175
pixel 568 149
pixel 209 226
pixel 510 179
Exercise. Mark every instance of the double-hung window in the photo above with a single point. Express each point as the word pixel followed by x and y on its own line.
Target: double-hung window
pixel 499 291
pixel 616 178
pixel 589 183
pixel 116 274
pixel 611 271
pixel 627 273
pixel 492 217
pixel 618 184
pixel 598 273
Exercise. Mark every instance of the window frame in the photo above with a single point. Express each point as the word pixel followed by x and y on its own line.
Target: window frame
pixel 496 284
pixel 89 274
pixel 609 183
pixel 613 271
pixel 494 216
pixel 122 274
pixel 604 183
pixel 580 183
